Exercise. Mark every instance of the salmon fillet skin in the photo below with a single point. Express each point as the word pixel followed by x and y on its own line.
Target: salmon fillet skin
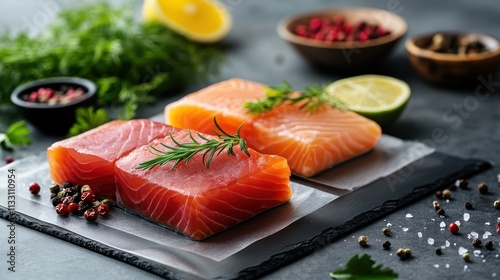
pixel 88 158
pixel 311 142
pixel 196 201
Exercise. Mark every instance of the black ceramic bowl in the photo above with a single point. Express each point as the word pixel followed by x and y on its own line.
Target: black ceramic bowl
pixel 55 119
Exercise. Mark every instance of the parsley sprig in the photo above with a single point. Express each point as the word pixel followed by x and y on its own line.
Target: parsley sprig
pixel 17 134
pixel 363 268
pixel 312 98
pixel 210 147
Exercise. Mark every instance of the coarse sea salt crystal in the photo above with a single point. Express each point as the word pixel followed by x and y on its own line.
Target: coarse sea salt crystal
pixel 443 247
pixel 494 274
pixel 430 241
pixel 436 265
pixel 462 251
pixel 447 243
pixel 419 234
pixel 389 224
pixel 405 229
pixel 409 216
pixel 447 265
pixel 458 223
pixel 466 216
pixel 477 253
pixel 487 223
pixel 474 234
pixel 465 268
pixel 442 224
pixel 486 234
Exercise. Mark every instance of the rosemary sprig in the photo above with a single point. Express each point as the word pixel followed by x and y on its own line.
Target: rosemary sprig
pixel 185 151
pixel 314 97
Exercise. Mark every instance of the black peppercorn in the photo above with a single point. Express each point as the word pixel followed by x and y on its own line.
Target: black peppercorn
pixel 468 206
pixel 453 187
pixel 76 188
pixel 436 205
pixel 52 195
pixel 403 253
pixel 440 212
pixel 439 252
pixel 67 185
pixel 56 200
pixel 483 188
pixel 438 194
pixel 83 206
pixel 386 244
pixel 463 184
pixel 489 245
pixel 476 242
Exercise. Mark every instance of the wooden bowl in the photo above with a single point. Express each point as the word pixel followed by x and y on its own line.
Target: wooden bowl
pixel 345 56
pixel 451 69
pixel 58 118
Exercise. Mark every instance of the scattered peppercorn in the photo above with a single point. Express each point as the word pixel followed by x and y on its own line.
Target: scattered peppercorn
pixel 9 159
pixel 55 188
pixel 476 242
pixel 403 253
pixel 498 178
pixel 34 188
pixel 496 204
pixel 88 196
pixel 436 205
pixel 56 200
pixel 498 227
pixel 438 194
pixel 453 187
pixel 439 252
pixel 489 245
pixel 363 240
pixel 73 208
pixel 62 209
pixel 83 206
pixel 456 44
pixel 386 245
pixel 446 194
pixel 90 215
pixel 85 188
pixel 466 257
pixel 53 96
pixel 440 212
pixel 483 188
pixel 453 228
pixel 462 183
pixel 468 206
pixel 107 202
pixel 386 231
pixel 103 210
pixel 67 185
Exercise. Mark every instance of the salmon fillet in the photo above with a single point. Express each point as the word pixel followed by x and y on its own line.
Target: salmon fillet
pixel 310 142
pixel 199 202
pixel 89 158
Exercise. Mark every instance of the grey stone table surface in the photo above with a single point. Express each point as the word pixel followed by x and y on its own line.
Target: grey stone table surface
pixel 458 121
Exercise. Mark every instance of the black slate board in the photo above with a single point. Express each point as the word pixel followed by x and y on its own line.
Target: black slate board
pixel 300 238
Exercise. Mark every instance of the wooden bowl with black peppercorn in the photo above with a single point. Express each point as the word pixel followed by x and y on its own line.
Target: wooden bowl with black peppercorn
pixel 354 39
pixel 50 104
pixel 454 58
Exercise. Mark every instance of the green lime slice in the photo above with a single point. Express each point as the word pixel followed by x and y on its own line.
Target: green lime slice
pixel 377 97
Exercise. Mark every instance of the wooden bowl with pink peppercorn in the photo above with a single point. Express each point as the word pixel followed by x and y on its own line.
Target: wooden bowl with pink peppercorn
pixel 345 39
pixel 50 104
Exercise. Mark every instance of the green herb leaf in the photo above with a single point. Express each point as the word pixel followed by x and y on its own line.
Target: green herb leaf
pixel 18 134
pixel 363 268
pixel 88 118
pixel 312 98
pixel 185 151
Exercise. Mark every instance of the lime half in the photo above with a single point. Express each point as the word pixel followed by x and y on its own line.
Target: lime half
pixel 377 97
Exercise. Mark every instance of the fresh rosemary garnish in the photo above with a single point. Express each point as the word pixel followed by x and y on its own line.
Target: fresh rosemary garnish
pixel 185 151
pixel 313 97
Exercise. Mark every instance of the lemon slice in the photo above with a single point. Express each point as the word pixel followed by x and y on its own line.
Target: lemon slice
pixel 204 21
pixel 380 98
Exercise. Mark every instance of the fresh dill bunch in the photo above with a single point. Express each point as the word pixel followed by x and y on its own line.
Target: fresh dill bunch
pixel 133 63
pixel 312 98
pixel 184 151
